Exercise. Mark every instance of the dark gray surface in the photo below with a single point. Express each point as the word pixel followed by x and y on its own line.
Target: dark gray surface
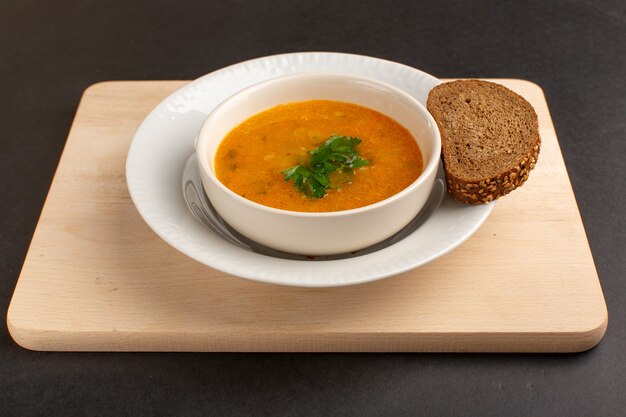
pixel 576 50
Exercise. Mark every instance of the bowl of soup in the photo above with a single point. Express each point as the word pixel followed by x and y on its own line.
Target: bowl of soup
pixel 319 163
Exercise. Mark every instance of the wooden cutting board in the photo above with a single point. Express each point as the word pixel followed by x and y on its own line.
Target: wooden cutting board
pixel 96 278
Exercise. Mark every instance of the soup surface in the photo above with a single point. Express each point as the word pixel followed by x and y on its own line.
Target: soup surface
pixel 252 156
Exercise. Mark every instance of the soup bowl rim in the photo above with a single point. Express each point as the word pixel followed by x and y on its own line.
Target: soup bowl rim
pixel 203 137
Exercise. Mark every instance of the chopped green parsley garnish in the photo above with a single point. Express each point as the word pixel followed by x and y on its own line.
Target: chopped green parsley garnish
pixel 336 154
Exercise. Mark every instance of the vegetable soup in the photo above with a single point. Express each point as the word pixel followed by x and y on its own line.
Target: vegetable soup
pixel 318 156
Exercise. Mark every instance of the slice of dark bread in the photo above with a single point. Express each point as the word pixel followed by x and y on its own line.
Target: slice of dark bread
pixel 489 136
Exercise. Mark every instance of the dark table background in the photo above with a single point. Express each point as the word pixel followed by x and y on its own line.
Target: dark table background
pixel 576 50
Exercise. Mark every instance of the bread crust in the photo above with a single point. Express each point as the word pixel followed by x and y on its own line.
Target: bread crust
pixel 485 190
pixel 489 189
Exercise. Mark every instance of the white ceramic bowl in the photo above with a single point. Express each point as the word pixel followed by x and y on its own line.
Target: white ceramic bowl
pixel 328 232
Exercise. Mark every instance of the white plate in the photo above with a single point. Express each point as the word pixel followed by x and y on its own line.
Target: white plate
pixel 165 141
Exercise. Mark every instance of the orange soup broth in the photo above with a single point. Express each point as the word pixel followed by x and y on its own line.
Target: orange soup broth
pixel 251 157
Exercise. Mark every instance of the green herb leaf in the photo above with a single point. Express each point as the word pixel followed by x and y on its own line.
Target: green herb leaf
pixel 337 153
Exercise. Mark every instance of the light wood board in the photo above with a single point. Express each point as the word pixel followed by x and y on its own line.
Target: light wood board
pixel 96 278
